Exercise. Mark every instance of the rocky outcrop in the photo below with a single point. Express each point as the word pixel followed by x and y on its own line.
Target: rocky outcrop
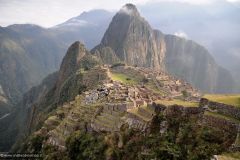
pixel 72 59
pixel 107 55
pixel 76 58
pixel 133 40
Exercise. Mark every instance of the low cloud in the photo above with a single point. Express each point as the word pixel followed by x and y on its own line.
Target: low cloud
pixel 181 34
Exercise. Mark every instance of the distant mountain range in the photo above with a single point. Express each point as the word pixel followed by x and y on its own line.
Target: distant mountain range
pixel 28 53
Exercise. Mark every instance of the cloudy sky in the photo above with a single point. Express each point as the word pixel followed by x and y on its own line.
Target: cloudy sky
pixel 48 13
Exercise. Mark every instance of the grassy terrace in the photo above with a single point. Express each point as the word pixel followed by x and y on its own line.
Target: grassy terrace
pixel 136 112
pixel 132 77
pixel 101 123
pixel 52 122
pixel 148 109
pixel 123 78
pixel 231 99
pixel 218 115
pixel 177 102
pixel 150 85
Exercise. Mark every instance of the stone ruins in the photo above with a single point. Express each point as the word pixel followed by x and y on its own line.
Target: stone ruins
pixel 113 104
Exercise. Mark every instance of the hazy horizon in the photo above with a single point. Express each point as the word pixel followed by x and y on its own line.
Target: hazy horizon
pixel 56 12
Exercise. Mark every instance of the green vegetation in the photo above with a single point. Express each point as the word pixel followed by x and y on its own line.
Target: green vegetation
pixel 36 143
pixel 123 78
pixel 81 71
pixel 218 115
pixel 152 86
pixel 148 109
pixel 72 87
pixel 231 99
pixel 177 102
pixel 184 140
pixel 88 62
pixel 52 152
pixel 85 146
pixel 130 76
pixel 185 93
pixel 51 122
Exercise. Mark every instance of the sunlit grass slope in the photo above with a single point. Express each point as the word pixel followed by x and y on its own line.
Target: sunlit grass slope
pixel 231 99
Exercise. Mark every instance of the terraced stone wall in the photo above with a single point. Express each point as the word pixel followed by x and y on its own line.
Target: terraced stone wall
pixel 223 124
pixel 136 122
pixel 183 111
pixel 221 108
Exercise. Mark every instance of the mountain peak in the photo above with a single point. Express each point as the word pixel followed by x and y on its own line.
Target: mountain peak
pixel 133 40
pixel 78 49
pixel 74 54
pixel 129 9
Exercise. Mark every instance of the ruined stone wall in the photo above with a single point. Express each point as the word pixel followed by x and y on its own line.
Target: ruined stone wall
pixel 221 108
pixel 157 107
pixel 193 110
pixel 120 107
pixel 136 122
pixel 143 112
pixel 223 124
pixel 176 110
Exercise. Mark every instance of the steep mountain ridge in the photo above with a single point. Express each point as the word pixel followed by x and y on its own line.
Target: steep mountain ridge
pixel 133 40
pixel 57 88
pixel 68 80
pixel 136 43
pixel 76 59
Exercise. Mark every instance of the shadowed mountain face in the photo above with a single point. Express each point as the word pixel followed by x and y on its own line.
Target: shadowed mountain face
pixel 27 54
pixel 190 61
pixel 215 26
pixel 136 43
